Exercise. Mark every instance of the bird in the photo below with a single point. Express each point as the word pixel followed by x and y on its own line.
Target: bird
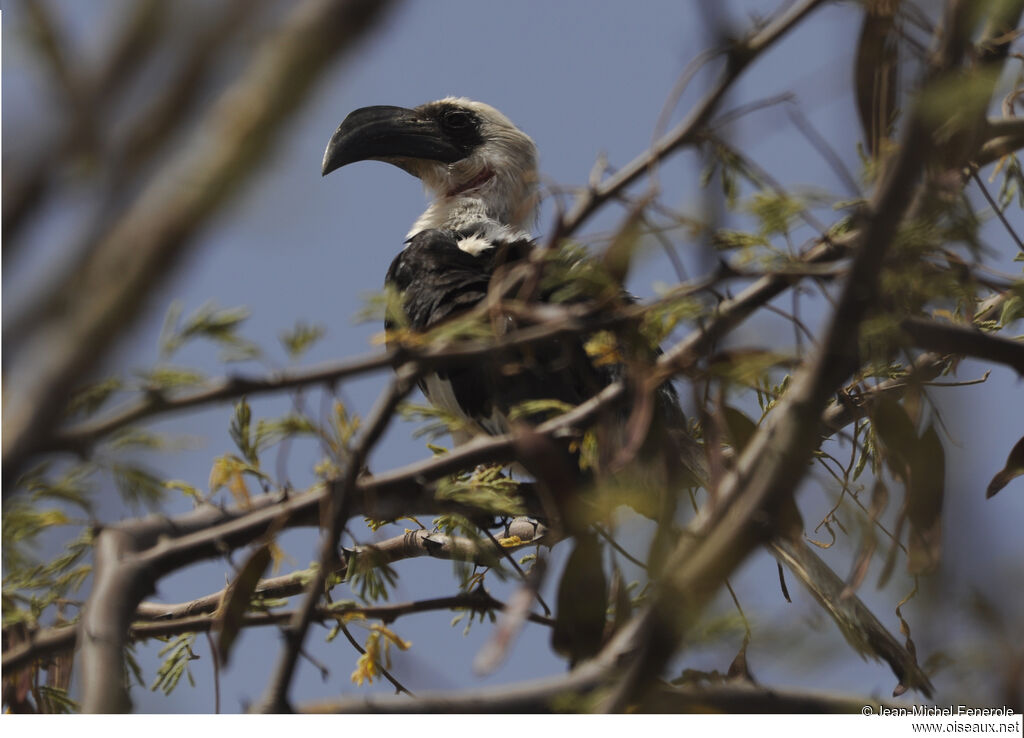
pixel 480 171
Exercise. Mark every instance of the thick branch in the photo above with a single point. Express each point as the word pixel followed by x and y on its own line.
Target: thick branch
pixel 962 340
pixel 411 544
pixel 26 186
pixel 751 498
pixel 53 641
pixel 400 493
pixel 543 697
pixel 841 413
pixel 554 322
pixel 145 245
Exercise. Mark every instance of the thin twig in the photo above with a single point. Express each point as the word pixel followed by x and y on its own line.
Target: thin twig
pixel 614 544
pixel 996 209
pixel 338 500
pixel 739 57
pixel 773 461
pixel 362 651
pixel 49 642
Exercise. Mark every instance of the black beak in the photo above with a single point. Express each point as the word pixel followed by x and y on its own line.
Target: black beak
pixel 385 132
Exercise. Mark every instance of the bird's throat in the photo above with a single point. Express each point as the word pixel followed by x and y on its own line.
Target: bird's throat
pixel 478 180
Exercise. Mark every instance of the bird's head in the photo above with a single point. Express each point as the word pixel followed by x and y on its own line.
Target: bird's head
pixel 473 160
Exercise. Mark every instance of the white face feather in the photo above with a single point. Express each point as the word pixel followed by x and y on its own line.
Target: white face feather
pixel 504 201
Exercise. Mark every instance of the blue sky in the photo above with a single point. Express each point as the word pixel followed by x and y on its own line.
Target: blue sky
pixel 583 79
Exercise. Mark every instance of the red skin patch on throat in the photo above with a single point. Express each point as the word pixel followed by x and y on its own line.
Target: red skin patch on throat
pixel 475 182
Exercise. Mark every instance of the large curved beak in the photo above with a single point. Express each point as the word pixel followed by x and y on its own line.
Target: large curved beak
pixel 385 132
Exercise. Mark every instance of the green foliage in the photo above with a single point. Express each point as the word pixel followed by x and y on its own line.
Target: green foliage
pixel 239 431
pixel 377 653
pixel 178 653
pixel 774 211
pixel 209 322
pixel 666 315
pixel 73 486
pixel 138 486
pixel 269 432
pixel 1012 184
pixel 925 494
pixel 92 397
pixel 186 489
pixel 132 669
pixel 165 377
pixel 455 524
pixel 486 490
pixel 739 427
pixel 729 168
pixel 369 575
pixel 951 104
pixel 751 368
pixel 471 326
pixel 570 275
pixel 438 422
pixel 22 523
pixel 55 701
pixel 538 411
pixel 769 394
pixel 911 280
pixel 617 257
pixel 483 616
pixel 229 471
pixel 138 438
pixel 30 587
pixel 867 453
pixel 341 429
pixel 468 575
pixel 1013 308
pixel 301 338
pixel 880 335
pixel 725 240
pixel 379 306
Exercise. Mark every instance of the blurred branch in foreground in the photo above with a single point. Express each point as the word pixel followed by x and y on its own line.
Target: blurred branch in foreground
pixel 91 308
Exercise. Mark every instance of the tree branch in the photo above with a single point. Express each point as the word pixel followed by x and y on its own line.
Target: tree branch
pixel 53 641
pixel 963 340
pixel 556 695
pixel 686 132
pixel 555 322
pixel 145 245
pixel 334 515
pixel 752 499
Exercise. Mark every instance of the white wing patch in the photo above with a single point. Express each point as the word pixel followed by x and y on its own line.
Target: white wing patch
pixel 486 234
pixel 475 244
pixel 442 396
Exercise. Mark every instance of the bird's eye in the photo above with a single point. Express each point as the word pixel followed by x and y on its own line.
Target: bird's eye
pixel 457 120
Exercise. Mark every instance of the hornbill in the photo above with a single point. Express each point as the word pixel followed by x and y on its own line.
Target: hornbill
pixel 481 172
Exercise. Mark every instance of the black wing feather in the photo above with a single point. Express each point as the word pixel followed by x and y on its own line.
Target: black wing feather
pixel 438 281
